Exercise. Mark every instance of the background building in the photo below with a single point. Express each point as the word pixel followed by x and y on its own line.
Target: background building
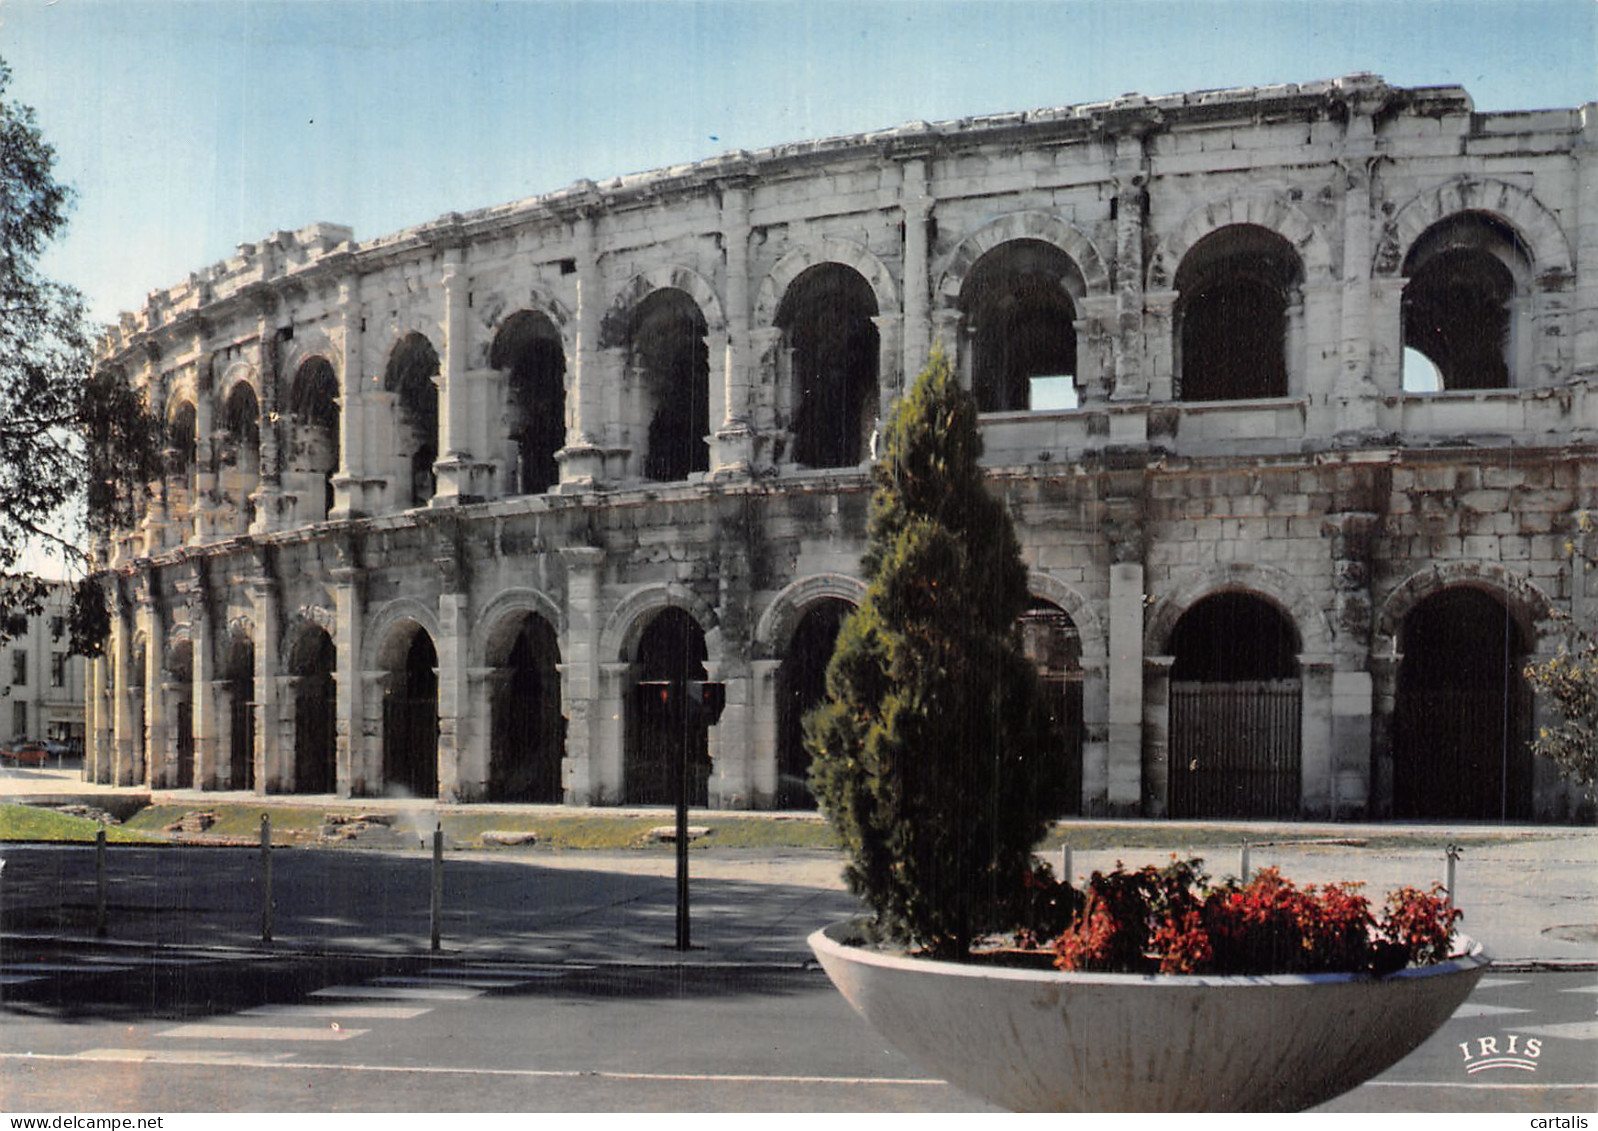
pixel 41 683
pixel 1287 390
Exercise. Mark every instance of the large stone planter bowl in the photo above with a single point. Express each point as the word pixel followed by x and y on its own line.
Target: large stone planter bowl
pixel 1045 1040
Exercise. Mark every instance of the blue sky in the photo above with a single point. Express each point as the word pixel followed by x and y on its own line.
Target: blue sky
pixel 190 127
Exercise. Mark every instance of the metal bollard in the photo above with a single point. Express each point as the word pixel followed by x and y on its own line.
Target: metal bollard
pixel 99 884
pixel 266 878
pixel 1243 863
pixel 1452 855
pixel 438 883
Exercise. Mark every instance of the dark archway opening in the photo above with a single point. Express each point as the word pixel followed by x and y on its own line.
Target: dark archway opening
pixel 1463 712
pixel 314 439
pixel 1235 288
pixel 1236 711
pixel 801 685
pixel 1019 317
pixel 528 349
pixel 827 316
pixel 672 648
pixel 1456 305
pixel 410 721
pixel 412 372
pixel 239 676
pixel 528 731
pixel 312 665
pixel 182 450
pixel 669 353
pixel 240 455
pixel 1051 641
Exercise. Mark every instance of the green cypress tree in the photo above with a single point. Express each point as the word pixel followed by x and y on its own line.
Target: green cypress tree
pixel 930 754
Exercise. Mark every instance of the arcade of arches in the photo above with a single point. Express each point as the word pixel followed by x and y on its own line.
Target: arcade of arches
pixel 438 509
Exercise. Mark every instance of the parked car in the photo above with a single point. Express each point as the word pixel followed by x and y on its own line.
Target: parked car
pixel 25 753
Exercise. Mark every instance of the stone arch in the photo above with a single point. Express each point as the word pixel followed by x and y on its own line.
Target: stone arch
pixel 1041 226
pixel 1095 644
pixel 630 617
pixel 308 344
pixel 499 619
pixel 1268 209
pixel 496 311
pixel 1269 582
pixel 1531 608
pixel 614 328
pixel 384 650
pixel 831 249
pixel 305 619
pixel 237 373
pixel 782 616
pixel 1528 217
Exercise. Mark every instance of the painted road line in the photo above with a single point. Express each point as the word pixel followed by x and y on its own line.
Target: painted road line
pixel 281 1061
pixel 262 1033
pixel 1495 983
pixel 174 1056
pixel 400 993
pixel 352 1009
pixel 20 979
pixel 1581 990
pixel 1570 1031
pixel 62 968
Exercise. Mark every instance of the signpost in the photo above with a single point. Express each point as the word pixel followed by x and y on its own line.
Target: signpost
pixel 690 705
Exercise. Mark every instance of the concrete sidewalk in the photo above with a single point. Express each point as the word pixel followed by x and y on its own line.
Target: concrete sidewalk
pixel 1530 894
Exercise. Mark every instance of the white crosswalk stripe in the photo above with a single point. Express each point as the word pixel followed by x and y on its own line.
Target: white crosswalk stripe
pixel 364 1011
pixel 473 983
pixel 1570 1031
pixel 263 1033
pixel 1472 1010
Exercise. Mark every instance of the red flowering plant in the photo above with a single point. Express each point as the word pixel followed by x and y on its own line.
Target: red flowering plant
pixel 1172 921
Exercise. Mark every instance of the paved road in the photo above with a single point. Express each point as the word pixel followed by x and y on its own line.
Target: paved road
pixel 117 1029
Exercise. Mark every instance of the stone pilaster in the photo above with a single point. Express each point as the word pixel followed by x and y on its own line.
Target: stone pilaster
pixel 355 772
pixel 203 710
pixel 917 204
pixel 1317 779
pixel 1351 689
pixel 761 730
pixel 460 477
pixel 580 674
pixel 1585 151
pixel 582 460
pixel 122 762
pixel 160 753
pixel 1124 787
pixel 350 485
pixel 1130 166
pixel 732 449
pixel 456 727
pixel 270 774
pixel 1156 755
pixel 1355 391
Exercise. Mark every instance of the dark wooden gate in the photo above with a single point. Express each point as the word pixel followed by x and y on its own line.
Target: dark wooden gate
pixel 1235 748
pixel 1461 752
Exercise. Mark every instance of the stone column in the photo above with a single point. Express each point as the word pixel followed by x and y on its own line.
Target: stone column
pixel 1317 777
pixel 455 725
pixel 1131 383
pixel 355 773
pixel 917 204
pixel 582 460
pixel 268 495
pixel 1351 689
pixel 93 709
pixel 202 504
pixel 731 777
pixel 1156 765
pixel 1095 349
pixel 349 486
pixel 374 686
pixel 457 471
pixel 122 767
pixel 1159 343
pixel 760 730
pixel 607 757
pixel 1355 392
pixel 202 698
pixel 269 774
pixel 765 352
pixel 1125 788
pixel 475 768
pixel 732 453
pixel 160 759
pixel 579 672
